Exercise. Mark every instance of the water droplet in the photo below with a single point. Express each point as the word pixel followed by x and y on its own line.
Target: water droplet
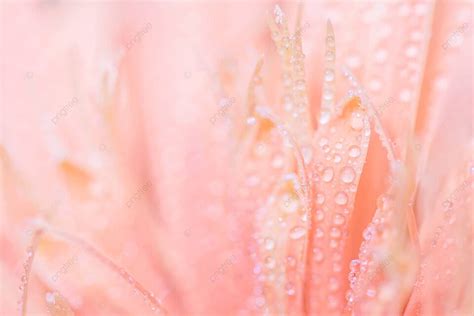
pixel 319 215
pixel 319 233
pixel 349 297
pixel 335 232
pixel 337 159
pixel 371 292
pixel 338 219
pixel 421 9
pixel 354 264
pixel 354 151
pixel 291 261
pixel 323 142
pixel 329 56
pixel 304 217
pixel 347 175
pixel 50 298
pixel 333 302
pixel 447 204
pixel 297 232
pixel 300 85
pixel 290 289
pixel 289 204
pixel 318 254
pixel 269 243
pixel 341 198
pixel 411 51
pixel 333 284
pixel 452 220
pixel 260 301
pixel 257 269
pixel 320 198
pixel 307 153
pixel 325 117
pixel 328 174
pixel 368 233
pixel 270 262
pixel 405 95
pixel 329 75
pixel 251 120
pixel 330 41
pixel 328 94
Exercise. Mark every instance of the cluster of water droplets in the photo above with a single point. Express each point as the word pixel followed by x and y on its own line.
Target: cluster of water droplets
pixel 363 269
pixel 23 288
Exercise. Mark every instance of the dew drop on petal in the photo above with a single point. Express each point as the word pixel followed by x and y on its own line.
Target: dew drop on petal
pixel 269 243
pixel 50 298
pixel 338 219
pixel 330 41
pixel 319 215
pixel 333 284
pixel 307 153
pixel 354 151
pixel 319 233
pixel 329 56
pixel 260 301
pixel 328 95
pixel 318 254
pixel 320 198
pixel 325 117
pixel 405 95
pixel 335 232
pixel 329 75
pixel 297 232
pixel 290 289
pixel 270 262
pixel 251 120
pixel 323 142
pixel 347 175
pixel 341 198
pixel 289 204
pixel 257 269
pixel 328 174
pixel 291 261
pixel 447 204
pixel 349 297
pixel 411 51
pixel 368 233
pixel 371 292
